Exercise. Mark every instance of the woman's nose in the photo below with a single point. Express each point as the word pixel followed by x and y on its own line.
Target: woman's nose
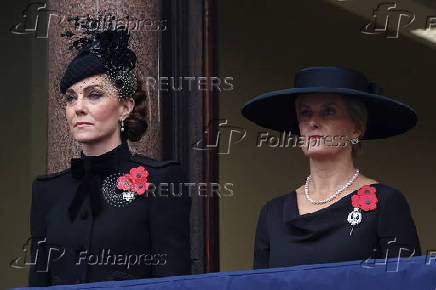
pixel 80 105
pixel 314 121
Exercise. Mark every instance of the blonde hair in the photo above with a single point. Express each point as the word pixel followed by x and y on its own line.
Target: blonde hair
pixel 359 115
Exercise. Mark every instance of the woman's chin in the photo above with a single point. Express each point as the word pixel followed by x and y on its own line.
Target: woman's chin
pixel 320 152
pixel 86 138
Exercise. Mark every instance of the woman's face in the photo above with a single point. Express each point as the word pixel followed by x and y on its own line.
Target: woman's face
pixel 93 110
pixel 324 115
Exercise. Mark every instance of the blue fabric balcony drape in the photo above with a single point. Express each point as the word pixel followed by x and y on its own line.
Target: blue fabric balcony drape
pixel 405 273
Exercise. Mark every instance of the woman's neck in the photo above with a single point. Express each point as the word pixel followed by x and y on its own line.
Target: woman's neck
pixel 329 174
pixel 99 148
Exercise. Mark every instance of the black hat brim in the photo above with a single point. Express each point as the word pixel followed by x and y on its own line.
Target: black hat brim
pixel 276 110
pixel 81 67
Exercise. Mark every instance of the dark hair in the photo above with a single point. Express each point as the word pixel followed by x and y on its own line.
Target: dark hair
pixel 136 124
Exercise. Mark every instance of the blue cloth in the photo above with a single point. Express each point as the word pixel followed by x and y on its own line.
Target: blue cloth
pixel 406 273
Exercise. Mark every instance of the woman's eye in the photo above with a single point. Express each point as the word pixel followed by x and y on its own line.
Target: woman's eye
pixel 95 95
pixel 329 111
pixel 305 113
pixel 69 98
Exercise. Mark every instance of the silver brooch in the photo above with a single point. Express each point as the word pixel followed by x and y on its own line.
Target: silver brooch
pixel 113 195
pixel 121 189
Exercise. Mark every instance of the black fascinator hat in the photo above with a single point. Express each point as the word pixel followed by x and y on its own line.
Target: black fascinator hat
pixel 102 52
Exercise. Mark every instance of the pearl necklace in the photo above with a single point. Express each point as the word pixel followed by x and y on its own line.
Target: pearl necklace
pixel 306 189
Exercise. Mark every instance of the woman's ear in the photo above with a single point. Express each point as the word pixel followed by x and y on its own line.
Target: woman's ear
pixel 357 132
pixel 127 106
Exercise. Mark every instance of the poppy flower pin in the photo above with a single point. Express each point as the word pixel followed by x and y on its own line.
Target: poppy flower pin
pixel 129 185
pixel 134 181
pixel 365 199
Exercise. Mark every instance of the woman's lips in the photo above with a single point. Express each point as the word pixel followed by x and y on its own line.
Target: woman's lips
pixel 315 136
pixel 82 124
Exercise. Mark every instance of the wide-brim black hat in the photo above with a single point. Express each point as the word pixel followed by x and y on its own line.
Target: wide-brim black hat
pixel 276 110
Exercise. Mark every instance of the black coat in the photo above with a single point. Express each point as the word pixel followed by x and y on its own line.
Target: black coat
pixel 84 240
pixel 286 238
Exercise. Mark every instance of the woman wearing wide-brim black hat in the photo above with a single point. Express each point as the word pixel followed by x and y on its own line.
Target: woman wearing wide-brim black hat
pixel 338 214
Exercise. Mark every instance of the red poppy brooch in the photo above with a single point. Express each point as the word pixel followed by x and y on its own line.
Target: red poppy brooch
pixel 121 189
pixel 365 200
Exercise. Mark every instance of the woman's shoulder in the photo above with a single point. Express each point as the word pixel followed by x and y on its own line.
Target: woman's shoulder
pixel 170 170
pixel 278 202
pixel 46 187
pixel 154 163
pixel 52 176
pixel 387 194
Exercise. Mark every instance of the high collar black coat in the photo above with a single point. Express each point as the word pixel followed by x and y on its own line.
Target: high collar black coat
pixel 78 237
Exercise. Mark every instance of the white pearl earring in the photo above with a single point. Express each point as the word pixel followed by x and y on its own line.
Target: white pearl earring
pixel 122 125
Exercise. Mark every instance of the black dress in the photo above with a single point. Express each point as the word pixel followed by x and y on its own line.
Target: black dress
pixel 78 236
pixel 285 238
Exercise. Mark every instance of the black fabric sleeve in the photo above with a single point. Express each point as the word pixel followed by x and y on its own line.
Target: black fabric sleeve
pixel 396 229
pixel 261 241
pixel 169 225
pixel 39 270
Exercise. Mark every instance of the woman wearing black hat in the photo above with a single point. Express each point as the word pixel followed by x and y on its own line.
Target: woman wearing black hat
pixel 106 217
pixel 338 214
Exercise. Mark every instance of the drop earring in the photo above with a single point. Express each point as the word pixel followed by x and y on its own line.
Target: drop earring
pixel 122 125
pixel 354 140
